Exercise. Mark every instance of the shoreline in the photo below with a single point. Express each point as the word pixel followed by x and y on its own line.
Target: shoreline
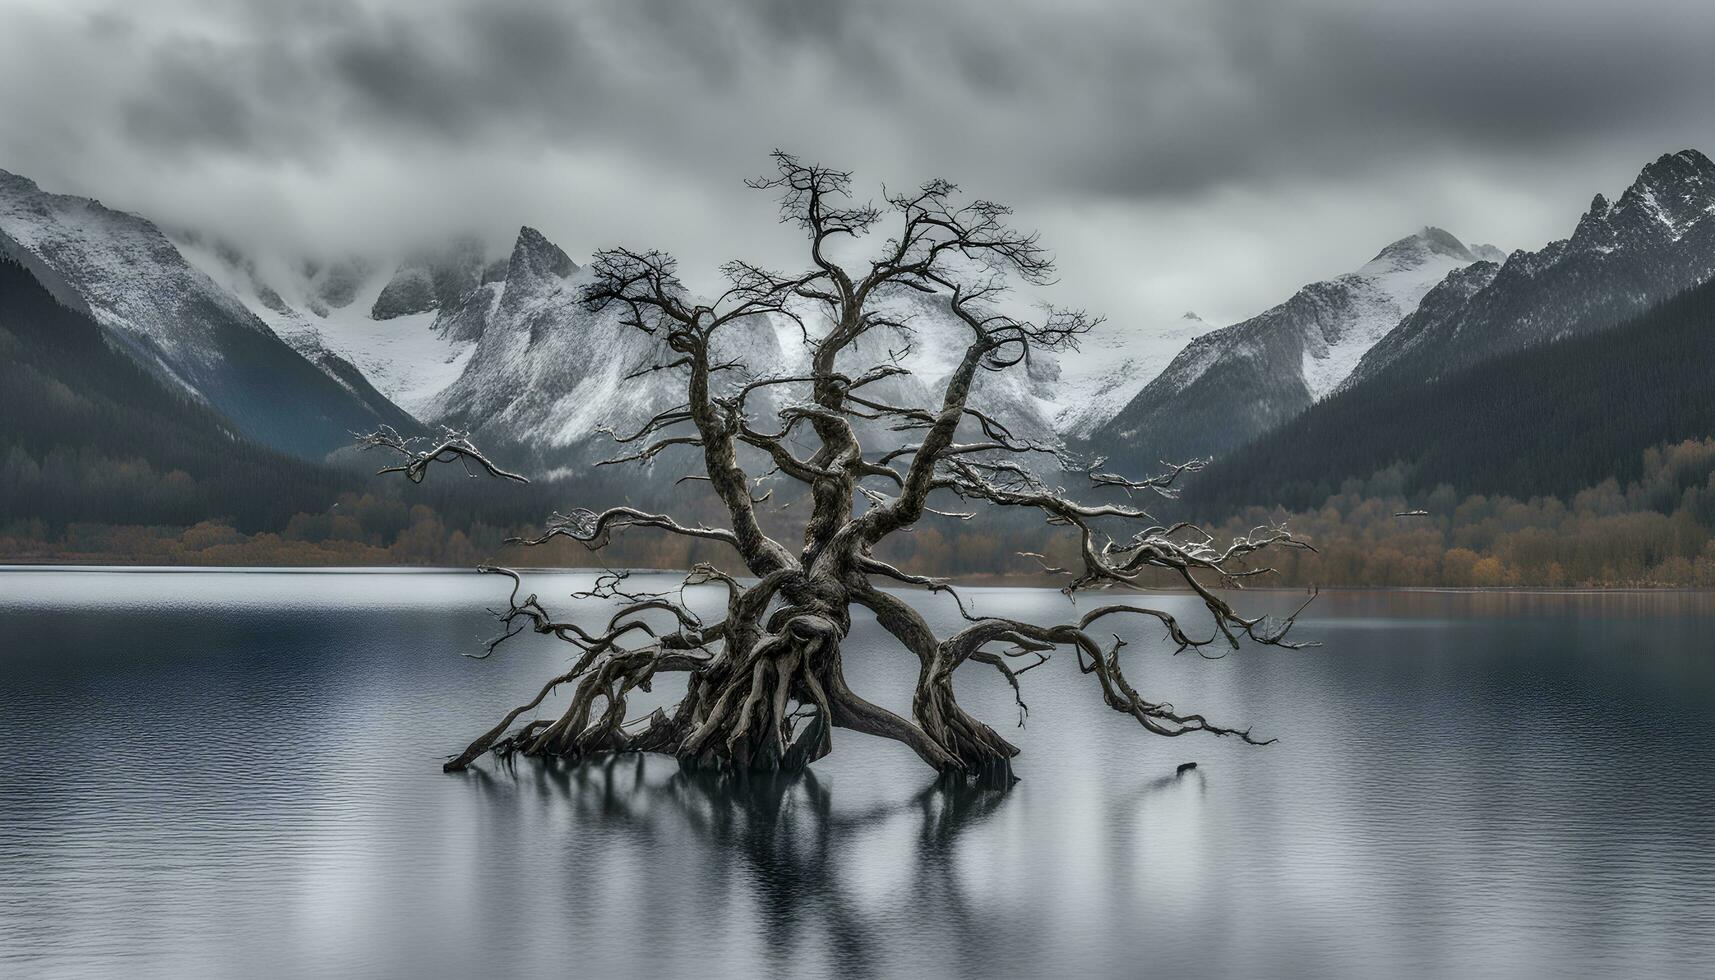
pixel 988 581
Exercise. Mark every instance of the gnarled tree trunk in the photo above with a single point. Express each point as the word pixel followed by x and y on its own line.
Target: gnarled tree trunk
pixel 766 684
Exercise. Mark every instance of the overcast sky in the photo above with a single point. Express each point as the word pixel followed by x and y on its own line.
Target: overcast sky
pixel 1206 154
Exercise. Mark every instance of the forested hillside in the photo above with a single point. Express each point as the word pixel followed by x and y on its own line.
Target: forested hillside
pixel 86 434
pixel 1548 420
pixel 1656 530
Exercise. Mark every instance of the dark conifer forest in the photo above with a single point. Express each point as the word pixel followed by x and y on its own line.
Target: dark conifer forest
pixel 88 435
pixel 1545 421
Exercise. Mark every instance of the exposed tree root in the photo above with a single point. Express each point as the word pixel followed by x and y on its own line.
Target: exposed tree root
pixel 765 686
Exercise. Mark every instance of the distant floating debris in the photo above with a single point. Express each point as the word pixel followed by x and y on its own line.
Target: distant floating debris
pixel 1411 513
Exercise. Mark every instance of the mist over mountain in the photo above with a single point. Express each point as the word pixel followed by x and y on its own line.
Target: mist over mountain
pixel 346 312
pixel 499 342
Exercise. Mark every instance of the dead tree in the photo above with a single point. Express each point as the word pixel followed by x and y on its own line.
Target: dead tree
pixel 765 683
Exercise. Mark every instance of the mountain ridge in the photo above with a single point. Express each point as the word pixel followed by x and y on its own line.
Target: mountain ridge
pixel 1231 384
pixel 1499 426
pixel 1656 239
pixel 176 321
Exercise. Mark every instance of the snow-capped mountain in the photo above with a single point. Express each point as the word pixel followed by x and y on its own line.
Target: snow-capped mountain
pixel 545 372
pixel 1624 256
pixel 367 312
pixel 1229 385
pixel 501 345
pixel 931 347
pixel 1112 366
pixel 498 342
pixel 165 313
pixel 549 376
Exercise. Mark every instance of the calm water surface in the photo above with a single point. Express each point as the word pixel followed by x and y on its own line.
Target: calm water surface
pixel 223 774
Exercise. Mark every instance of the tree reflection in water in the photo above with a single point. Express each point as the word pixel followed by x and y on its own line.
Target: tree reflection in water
pixel 781 834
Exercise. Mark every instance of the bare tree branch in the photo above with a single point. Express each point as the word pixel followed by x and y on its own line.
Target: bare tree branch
pixel 454 445
pixel 765 686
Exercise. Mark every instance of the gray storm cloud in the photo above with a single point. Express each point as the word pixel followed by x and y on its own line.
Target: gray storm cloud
pixel 1190 153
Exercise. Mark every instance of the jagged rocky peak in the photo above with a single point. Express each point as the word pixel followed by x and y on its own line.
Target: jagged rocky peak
pixel 431 279
pixel 534 255
pixel 534 265
pixel 1670 194
pixel 1675 190
pixel 1594 228
pixel 1657 238
pixel 1686 171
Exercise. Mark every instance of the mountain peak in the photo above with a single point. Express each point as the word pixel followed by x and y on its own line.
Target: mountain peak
pixel 1671 193
pixel 1676 189
pixel 1675 168
pixel 1440 238
pixel 1673 173
pixel 433 278
pixel 1418 248
pixel 536 255
pixel 1626 254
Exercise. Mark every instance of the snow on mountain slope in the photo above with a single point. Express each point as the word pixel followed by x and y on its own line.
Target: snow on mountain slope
pixel 1229 385
pixel 326 313
pixel 124 269
pixel 931 347
pixel 1440 305
pixel 1624 256
pixel 547 373
pixel 510 382
pixel 177 321
pixel 547 376
pixel 1380 293
pixel 502 346
pixel 1111 367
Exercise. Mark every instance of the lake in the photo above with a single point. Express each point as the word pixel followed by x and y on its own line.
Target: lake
pixel 224 773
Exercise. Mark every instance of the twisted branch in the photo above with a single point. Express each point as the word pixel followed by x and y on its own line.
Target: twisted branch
pixel 765 685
